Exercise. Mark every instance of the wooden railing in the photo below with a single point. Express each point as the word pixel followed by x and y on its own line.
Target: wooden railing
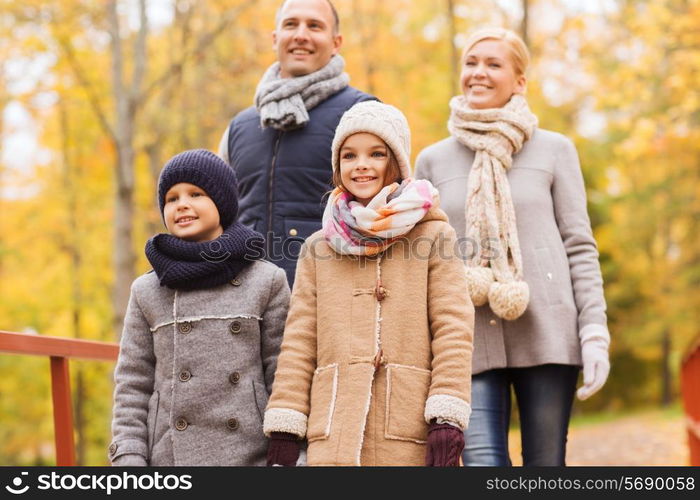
pixel 690 392
pixel 59 350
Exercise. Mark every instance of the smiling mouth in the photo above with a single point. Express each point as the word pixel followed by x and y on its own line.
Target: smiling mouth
pixel 364 179
pixel 479 86
pixel 184 220
pixel 300 52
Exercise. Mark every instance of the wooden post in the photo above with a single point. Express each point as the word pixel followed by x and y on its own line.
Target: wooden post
pixel 62 411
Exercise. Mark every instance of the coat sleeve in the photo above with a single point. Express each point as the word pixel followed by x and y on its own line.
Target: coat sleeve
pixel 423 167
pixel 569 197
pixel 273 325
pixel 451 318
pixel 289 405
pixel 134 378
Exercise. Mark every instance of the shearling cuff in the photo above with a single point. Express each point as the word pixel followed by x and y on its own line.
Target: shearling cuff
pixel 448 408
pixel 284 420
pixel 594 331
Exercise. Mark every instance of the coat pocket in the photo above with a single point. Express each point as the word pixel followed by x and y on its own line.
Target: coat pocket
pixel 549 275
pixel 152 420
pixel 261 397
pixel 324 387
pixel 407 390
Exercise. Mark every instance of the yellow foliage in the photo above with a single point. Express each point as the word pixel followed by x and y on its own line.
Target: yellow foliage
pixel 638 67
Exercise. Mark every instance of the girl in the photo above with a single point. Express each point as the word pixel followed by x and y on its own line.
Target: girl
pixel 516 191
pixel 375 362
pixel 201 334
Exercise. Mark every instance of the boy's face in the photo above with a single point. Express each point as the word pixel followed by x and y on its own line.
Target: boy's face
pixel 190 214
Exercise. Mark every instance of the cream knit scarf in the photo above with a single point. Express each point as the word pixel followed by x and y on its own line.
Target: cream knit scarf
pixel 284 103
pixel 495 270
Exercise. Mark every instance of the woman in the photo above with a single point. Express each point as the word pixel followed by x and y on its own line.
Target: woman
pixel 515 195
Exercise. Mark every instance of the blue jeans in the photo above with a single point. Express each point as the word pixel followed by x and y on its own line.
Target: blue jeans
pixel 545 395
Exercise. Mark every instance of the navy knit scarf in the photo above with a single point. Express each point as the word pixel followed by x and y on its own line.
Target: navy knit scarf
pixel 186 265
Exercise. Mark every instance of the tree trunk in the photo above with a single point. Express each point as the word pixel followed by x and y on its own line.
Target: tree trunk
pixel 454 55
pixel 125 103
pixel 153 151
pixel 72 246
pixel 523 27
pixel 367 28
pixel 666 377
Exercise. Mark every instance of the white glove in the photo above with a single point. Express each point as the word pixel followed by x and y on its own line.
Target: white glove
pixel 595 340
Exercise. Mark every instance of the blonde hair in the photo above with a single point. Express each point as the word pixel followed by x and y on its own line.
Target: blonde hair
pixel 520 56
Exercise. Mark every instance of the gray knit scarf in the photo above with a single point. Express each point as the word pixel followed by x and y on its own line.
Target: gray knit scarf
pixel 284 103
pixel 494 135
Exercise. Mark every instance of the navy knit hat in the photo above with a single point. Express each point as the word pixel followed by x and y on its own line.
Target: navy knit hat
pixel 207 171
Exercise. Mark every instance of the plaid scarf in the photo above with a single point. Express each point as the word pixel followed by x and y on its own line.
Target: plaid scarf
pixel 353 229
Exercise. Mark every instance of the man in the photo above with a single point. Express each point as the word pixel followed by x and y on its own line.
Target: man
pixel 281 146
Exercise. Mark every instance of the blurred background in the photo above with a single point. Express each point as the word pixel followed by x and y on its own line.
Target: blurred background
pixel 95 96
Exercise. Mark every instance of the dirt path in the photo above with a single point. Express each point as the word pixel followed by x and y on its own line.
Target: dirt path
pixel 644 439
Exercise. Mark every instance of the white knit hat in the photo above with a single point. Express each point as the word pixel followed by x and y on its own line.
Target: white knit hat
pixel 384 121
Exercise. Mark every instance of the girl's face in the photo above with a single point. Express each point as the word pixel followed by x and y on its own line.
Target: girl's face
pixel 488 78
pixel 190 214
pixel 364 164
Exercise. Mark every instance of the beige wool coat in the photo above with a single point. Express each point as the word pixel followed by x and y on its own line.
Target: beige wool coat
pixel 327 388
pixel 560 256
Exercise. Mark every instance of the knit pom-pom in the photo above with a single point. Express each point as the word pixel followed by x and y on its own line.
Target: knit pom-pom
pixel 479 280
pixel 509 300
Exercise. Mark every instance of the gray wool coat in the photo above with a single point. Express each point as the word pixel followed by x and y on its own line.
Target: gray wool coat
pixel 195 370
pixel 560 256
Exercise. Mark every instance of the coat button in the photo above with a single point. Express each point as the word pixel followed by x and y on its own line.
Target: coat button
pixel 293 232
pixel 234 378
pixel 113 448
pixel 235 327
pixel 492 322
pixel 236 282
pixel 185 375
pixel 181 424
pixel 185 327
pixel 232 423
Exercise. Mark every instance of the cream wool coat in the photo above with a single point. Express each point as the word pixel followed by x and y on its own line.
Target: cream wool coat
pixel 326 387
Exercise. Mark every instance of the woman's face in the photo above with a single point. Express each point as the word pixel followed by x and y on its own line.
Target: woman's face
pixel 488 78
pixel 364 163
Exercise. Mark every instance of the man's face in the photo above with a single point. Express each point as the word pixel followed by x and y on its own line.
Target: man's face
pixel 304 38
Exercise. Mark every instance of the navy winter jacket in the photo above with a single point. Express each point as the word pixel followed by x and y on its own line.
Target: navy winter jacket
pixel 283 177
